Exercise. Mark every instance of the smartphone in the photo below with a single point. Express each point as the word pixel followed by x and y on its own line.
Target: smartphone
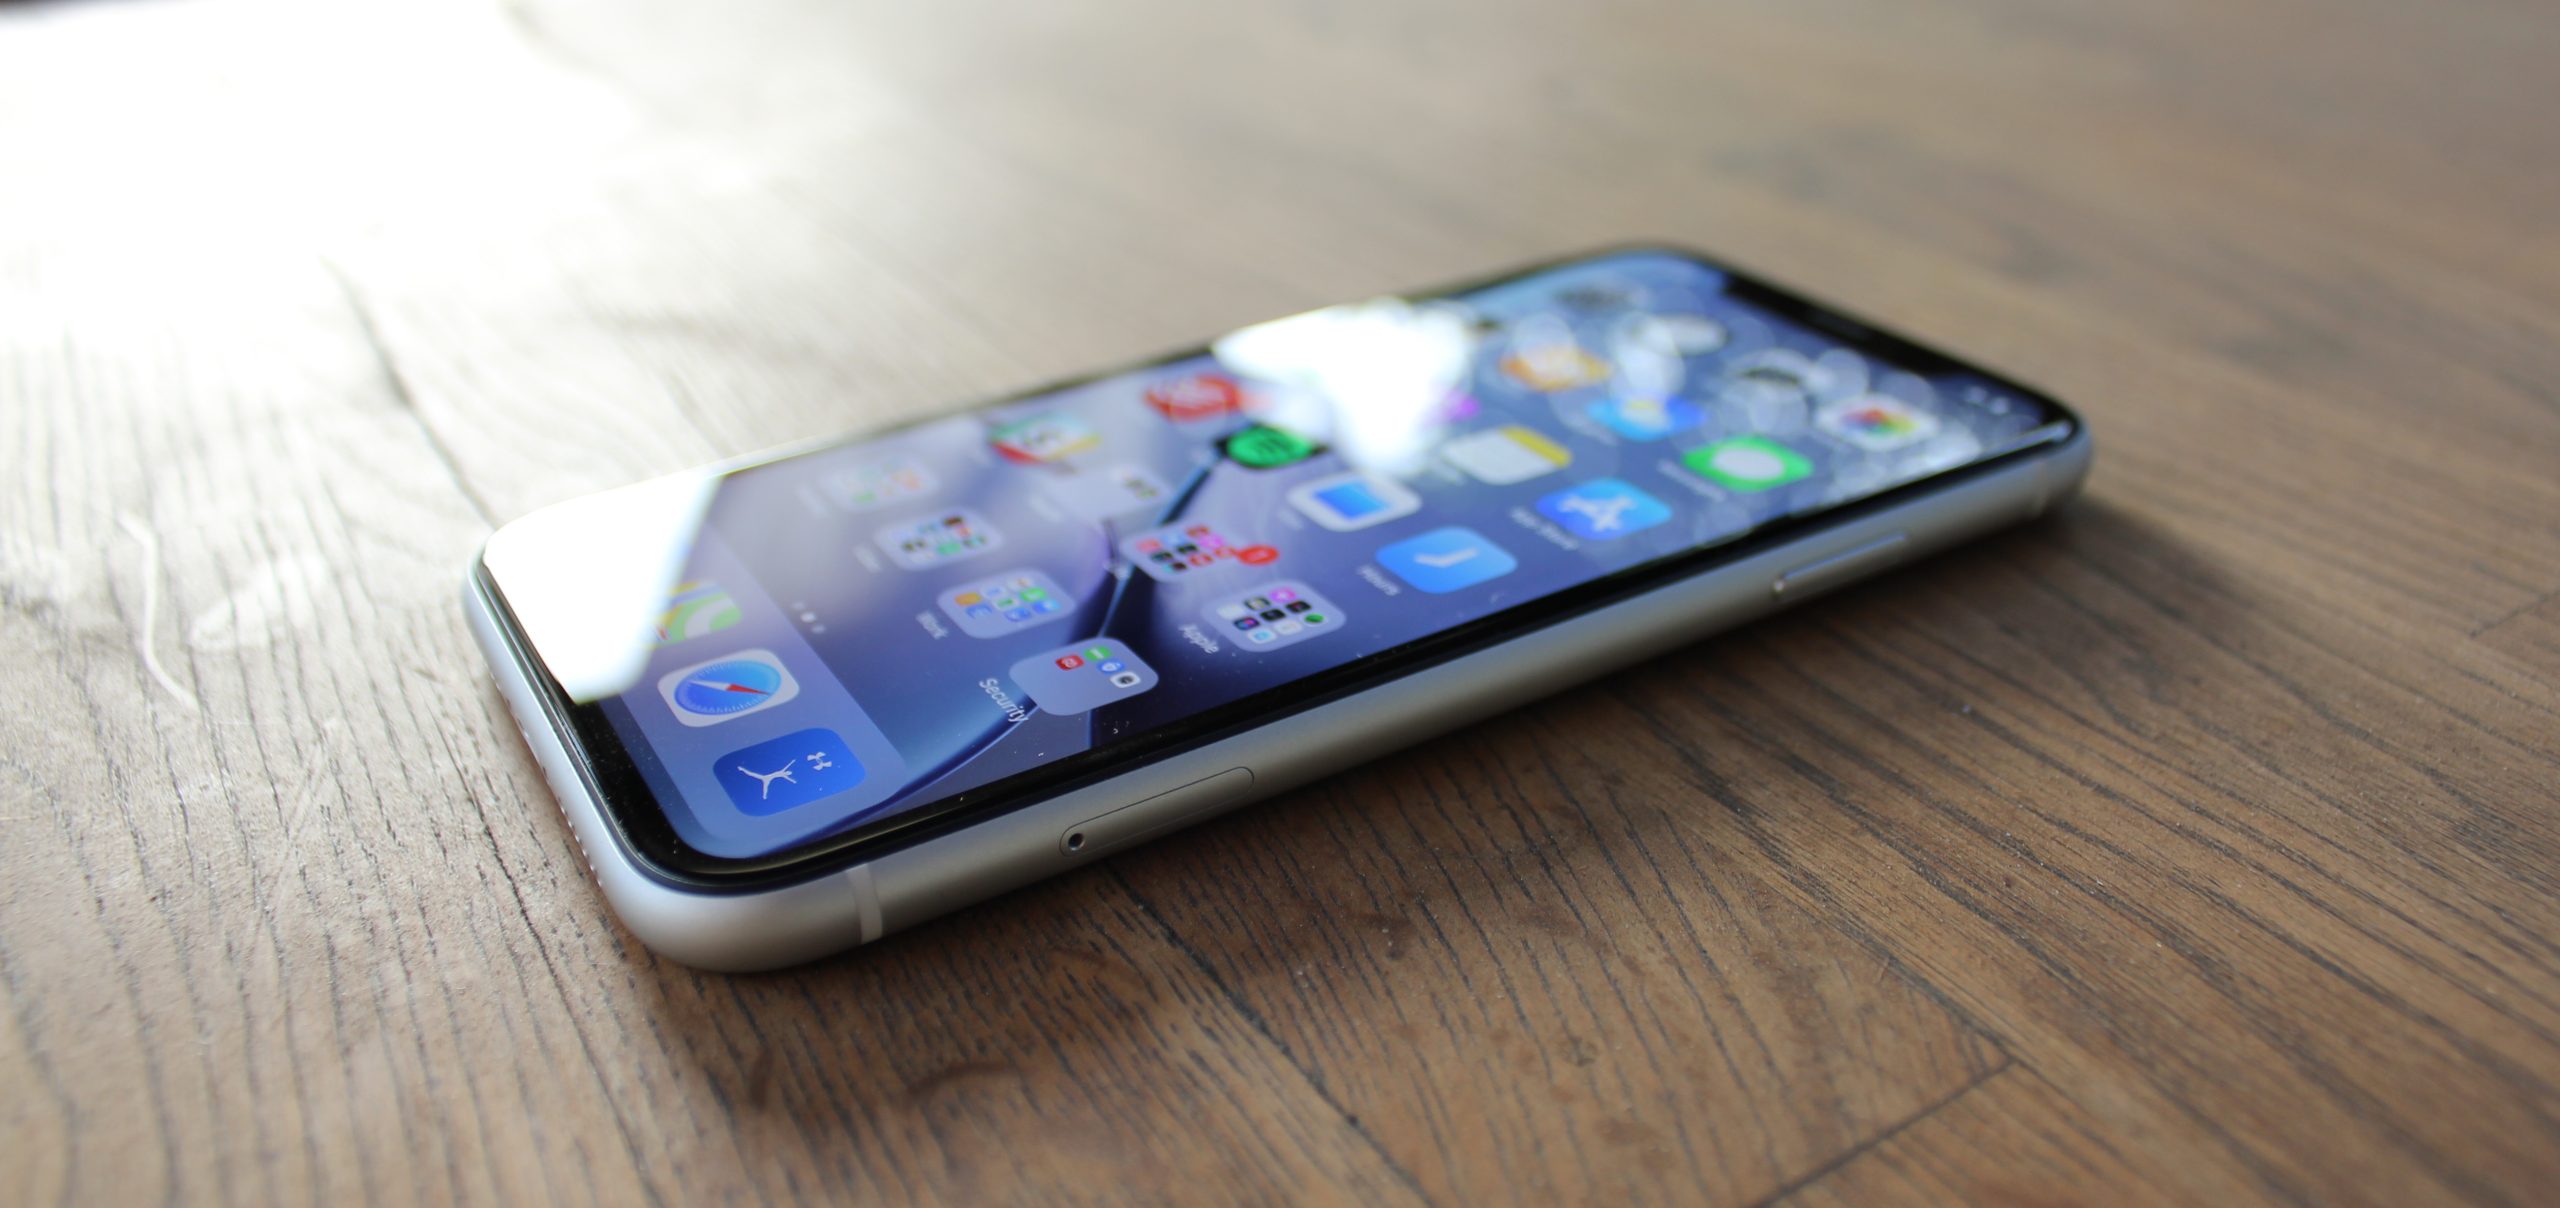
pixel 795 702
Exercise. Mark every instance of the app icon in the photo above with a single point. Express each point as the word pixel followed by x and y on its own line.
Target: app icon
pixel 787 772
pixel 1446 560
pixel 1645 418
pixel 1136 485
pixel 1877 422
pixel 1596 295
pixel 1505 455
pixel 1604 509
pixel 1555 365
pixel 1074 679
pixel 1350 502
pixel 1106 494
pixel 1693 335
pixel 1274 615
pixel 949 536
pixel 872 484
pixel 1043 438
pixel 1747 463
pixel 1783 370
pixel 1006 604
pixel 1196 396
pixel 1263 447
pixel 707 694
pixel 694 609
pixel 1176 550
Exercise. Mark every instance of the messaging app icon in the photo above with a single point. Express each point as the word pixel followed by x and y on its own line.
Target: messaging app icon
pixel 1747 463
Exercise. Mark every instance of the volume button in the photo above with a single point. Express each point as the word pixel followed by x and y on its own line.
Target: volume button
pixel 1825 573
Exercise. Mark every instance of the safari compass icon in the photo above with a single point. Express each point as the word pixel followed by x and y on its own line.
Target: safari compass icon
pixel 707 694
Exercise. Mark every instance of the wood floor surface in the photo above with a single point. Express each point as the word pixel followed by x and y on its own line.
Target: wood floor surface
pixel 2198 844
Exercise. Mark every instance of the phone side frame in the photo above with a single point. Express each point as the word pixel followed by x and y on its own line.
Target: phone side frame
pixel 768 929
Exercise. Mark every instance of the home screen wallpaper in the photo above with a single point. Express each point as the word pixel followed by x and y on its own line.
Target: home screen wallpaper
pixel 881 624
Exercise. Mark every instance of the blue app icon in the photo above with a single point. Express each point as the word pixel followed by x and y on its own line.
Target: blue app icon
pixel 1352 499
pixel 1604 509
pixel 1445 560
pixel 788 772
pixel 1356 500
pixel 1646 418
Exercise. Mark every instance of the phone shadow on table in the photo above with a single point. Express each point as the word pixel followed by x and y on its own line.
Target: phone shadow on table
pixel 1418 869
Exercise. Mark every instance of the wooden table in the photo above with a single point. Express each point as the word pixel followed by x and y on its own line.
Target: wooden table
pixel 2197 844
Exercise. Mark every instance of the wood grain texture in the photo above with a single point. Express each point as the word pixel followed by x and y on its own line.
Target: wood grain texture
pixel 1498 912
pixel 2013 1139
pixel 2198 844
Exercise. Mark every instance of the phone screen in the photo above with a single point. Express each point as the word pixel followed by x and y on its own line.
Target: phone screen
pixel 964 611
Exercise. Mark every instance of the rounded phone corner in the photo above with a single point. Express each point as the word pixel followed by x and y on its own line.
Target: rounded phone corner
pixel 743 933
pixel 725 933
pixel 2062 472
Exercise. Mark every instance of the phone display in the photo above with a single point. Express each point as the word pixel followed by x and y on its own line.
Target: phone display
pixel 962 612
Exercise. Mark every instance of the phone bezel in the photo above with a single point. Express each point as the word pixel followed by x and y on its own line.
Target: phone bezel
pixel 640 825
